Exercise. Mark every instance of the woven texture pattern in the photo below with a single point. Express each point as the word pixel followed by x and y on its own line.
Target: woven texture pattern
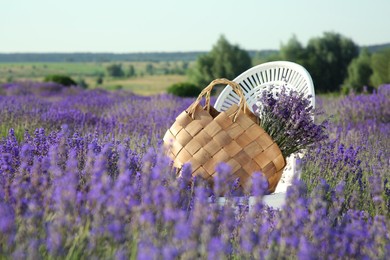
pixel 205 137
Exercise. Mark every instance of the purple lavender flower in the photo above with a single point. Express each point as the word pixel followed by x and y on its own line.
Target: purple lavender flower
pixel 221 177
pixel 259 184
pixel 288 119
pixel 100 188
pixel 216 248
pixel 7 220
pixel 121 254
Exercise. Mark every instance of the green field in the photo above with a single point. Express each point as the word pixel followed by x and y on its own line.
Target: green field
pixel 145 85
pixel 163 75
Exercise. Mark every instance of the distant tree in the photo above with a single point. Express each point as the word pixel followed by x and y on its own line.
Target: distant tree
pixel 166 71
pixel 60 79
pixel 82 83
pixel 293 51
pixel 359 73
pixel 149 69
pixel 99 80
pixel 131 71
pixel 115 70
pixel 117 87
pixel 224 60
pixel 181 68
pixel 380 62
pixel 184 65
pixel 327 59
pixel 266 56
pixel 184 89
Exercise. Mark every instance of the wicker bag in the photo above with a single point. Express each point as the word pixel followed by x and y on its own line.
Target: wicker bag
pixel 205 137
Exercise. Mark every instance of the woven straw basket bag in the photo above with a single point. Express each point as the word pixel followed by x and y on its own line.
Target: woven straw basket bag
pixel 205 137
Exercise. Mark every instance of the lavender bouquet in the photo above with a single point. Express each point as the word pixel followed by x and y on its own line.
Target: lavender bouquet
pixel 288 118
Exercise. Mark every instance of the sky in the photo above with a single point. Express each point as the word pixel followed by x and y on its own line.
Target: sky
pixel 123 26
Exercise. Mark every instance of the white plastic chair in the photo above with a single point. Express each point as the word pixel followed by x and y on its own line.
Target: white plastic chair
pixel 270 75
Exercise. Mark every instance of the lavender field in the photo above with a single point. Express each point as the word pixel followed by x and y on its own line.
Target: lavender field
pixel 83 176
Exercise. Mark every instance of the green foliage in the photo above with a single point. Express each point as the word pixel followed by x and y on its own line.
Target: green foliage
pixel 377 47
pixel 98 57
pixel 380 63
pixel 99 80
pixel 60 79
pixel 184 65
pixel 178 68
pixel 266 56
pixel 326 58
pixel 359 73
pixel 82 83
pixel 184 89
pixel 149 69
pixel 293 51
pixel 115 70
pixel 117 87
pixel 223 61
pixel 131 71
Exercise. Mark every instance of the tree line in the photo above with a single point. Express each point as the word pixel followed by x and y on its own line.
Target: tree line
pixel 99 57
pixel 334 61
pixel 117 70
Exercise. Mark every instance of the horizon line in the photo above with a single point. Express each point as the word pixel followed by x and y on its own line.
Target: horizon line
pixel 113 52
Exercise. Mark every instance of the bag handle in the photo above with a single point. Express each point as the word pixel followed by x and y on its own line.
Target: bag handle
pixel 242 105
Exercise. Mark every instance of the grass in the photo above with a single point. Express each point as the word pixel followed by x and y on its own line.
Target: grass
pixel 146 85
pixel 40 70
pixel 143 83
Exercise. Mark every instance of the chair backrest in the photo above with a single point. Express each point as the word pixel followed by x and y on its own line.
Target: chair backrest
pixel 267 75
